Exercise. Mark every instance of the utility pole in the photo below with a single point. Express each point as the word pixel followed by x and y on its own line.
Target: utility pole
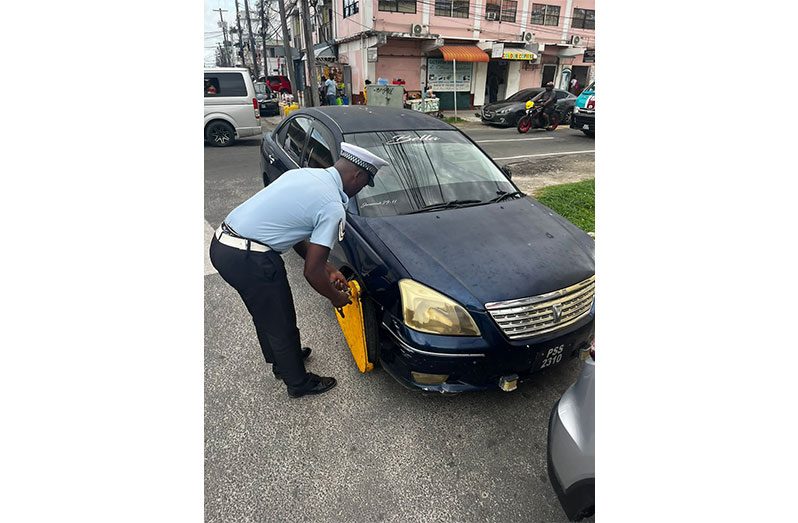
pixel 310 55
pixel 263 30
pixel 252 41
pixel 225 60
pixel 240 45
pixel 289 58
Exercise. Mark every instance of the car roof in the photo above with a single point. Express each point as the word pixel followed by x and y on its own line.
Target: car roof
pixel 369 118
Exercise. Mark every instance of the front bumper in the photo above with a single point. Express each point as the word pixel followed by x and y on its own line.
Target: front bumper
pixel 584 121
pixel 496 118
pixel 472 363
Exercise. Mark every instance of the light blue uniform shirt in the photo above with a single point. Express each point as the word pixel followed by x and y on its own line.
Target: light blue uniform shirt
pixel 302 203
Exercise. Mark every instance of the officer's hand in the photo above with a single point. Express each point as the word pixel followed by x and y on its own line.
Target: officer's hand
pixel 341 300
pixel 336 278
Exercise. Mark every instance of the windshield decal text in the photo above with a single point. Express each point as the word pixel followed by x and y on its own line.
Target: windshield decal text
pixel 407 138
pixel 384 202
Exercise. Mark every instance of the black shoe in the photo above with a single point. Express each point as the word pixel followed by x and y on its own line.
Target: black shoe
pixel 315 385
pixel 305 353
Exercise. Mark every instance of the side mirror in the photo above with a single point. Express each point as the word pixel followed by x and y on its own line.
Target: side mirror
pixel 506 170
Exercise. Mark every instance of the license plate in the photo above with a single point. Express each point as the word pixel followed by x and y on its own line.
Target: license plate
pixel 553 355
pixel 585 127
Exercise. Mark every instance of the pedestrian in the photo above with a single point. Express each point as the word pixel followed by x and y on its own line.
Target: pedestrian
pixel 493 88
pixel 209 87
pixel 366 92
pixel 323 90
pixel 331 88
pixel 304 209
pixel 574 86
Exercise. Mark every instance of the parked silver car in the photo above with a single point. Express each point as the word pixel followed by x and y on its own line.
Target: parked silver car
pixel 571 449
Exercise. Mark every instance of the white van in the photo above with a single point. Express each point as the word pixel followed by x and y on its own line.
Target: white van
pixel 231 106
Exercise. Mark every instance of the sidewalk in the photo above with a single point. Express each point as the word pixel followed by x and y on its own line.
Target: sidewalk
pixel 464 114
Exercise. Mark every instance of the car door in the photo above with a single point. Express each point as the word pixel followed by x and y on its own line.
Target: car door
pixel 321 150
pixel 283 149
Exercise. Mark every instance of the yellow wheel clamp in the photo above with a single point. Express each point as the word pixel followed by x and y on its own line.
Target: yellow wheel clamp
pixel 350 318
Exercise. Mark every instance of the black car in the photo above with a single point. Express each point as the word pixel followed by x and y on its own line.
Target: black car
pixel 467 283
pixel 508 112
pixel 267 100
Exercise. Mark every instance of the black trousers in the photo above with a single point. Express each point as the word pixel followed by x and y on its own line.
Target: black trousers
pixel 261 281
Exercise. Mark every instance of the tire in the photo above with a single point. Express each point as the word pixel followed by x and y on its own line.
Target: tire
pixel 265 180
pixel 524 124
pixel 220 134
pixel 371 326
pixel 591 134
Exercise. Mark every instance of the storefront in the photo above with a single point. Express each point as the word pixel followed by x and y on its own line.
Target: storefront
pixel 451 74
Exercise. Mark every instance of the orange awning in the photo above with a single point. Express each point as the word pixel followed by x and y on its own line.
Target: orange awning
pixel 463 53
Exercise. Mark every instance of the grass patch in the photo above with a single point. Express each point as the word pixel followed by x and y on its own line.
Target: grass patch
pixel 574 201
pixel 452 119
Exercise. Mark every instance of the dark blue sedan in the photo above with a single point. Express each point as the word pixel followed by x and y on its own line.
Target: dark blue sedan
pixel 468 284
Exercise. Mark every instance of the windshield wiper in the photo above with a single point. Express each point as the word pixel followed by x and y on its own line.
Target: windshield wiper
pixel 446 205
pixel 506 195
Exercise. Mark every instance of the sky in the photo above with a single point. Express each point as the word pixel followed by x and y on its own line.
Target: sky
pixel 213 33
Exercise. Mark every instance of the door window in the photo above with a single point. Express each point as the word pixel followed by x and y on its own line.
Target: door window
pixel 293 135
pixel 224 84
pixel 319 152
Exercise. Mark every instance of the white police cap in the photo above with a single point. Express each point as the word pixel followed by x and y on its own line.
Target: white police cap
pixel 363 159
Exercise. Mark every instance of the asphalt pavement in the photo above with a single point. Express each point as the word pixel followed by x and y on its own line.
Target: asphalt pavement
pixel 369 450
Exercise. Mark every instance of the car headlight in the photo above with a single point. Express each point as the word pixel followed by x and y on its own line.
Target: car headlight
pixel 426 310
pixel 576 109
pixel 504 111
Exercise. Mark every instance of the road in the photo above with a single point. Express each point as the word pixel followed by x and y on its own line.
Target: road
pixel 369 450
pixel 506 145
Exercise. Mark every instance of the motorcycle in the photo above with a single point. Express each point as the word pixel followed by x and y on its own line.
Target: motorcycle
pixel 533 119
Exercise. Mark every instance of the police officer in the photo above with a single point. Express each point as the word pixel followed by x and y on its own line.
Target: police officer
pixel 304 209
pixel 547 99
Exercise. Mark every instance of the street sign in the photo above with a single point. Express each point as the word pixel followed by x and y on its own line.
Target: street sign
pixel 589 56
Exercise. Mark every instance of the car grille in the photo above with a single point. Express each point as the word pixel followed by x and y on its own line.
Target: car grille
pixel 529 317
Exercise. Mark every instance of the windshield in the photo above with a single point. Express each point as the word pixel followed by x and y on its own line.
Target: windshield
pixel 426 168
pixel 260 88
pixel 523 96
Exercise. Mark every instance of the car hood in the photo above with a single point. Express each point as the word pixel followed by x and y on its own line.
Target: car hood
pixel 501 105
pixel 489 253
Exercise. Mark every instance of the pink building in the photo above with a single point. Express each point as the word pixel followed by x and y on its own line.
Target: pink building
pixel 499 45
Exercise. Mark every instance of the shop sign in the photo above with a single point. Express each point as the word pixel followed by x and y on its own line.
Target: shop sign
pixel 441 75
pixel 589 56
pixel 498 49
pixel 519 54
pixel 371 54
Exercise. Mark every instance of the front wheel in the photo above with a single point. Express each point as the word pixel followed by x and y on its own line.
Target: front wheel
pixel 566 119
pixel 220 134
pixel 524 124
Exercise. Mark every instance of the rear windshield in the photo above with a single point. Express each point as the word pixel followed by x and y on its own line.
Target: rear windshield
pixel 426 168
